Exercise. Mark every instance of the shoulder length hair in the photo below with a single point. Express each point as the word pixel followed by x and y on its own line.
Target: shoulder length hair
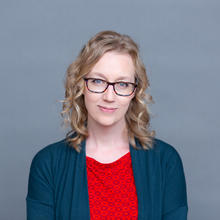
pixel 74 111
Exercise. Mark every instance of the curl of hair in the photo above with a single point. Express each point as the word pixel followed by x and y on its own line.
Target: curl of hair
pixel 74 111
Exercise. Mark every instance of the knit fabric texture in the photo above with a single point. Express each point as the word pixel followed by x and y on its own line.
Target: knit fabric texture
pixel 111 187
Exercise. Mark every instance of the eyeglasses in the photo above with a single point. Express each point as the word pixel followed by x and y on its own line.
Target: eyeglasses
pixel 121 88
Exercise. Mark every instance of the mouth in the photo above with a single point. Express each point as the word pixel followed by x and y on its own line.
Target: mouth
pixel 106 109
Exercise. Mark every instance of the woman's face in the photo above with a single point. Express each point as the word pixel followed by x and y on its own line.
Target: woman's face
pixel 108 108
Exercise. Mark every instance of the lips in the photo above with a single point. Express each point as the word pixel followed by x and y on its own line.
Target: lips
pixel 106 109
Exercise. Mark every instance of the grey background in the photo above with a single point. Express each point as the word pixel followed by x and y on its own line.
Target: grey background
pixel 179 43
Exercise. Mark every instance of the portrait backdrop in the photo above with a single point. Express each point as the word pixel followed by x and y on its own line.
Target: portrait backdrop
pixel 179 44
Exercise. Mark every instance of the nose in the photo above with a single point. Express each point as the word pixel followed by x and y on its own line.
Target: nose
pixel 109 94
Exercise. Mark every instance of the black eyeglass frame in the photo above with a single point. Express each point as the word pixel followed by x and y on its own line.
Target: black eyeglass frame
pixel 112 84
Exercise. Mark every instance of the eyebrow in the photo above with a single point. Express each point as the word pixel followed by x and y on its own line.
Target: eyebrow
pixel 103 76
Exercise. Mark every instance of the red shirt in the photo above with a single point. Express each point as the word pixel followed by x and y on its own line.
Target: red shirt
pixel 111 187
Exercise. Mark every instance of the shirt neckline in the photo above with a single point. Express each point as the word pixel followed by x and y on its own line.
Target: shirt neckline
pixel 100 164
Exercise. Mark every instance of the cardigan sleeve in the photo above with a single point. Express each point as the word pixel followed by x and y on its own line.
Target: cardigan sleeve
pixel 175 196
pixel 39 200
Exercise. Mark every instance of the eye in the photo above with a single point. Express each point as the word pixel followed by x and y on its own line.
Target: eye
pixel 97 81
pixel 123 84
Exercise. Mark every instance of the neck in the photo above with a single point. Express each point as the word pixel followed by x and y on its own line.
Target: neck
pixel 104 138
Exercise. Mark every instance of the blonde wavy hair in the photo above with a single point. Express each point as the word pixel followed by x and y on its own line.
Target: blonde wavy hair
pixel 74 111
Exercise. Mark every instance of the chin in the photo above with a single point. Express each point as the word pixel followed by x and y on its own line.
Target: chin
pixel 106 123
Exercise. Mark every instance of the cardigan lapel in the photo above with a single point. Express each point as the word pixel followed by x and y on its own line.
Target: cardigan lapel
pixel 81 191
pixel 147 176
pixel 138 159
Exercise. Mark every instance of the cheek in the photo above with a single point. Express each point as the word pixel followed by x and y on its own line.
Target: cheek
pixel 90 100
pixel 125 103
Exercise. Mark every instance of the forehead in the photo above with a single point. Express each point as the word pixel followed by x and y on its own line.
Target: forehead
pixel 113 65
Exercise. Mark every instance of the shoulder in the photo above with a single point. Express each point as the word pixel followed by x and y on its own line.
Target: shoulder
pixel 163 147
pixel 163 151
pixel 50 150
pixel 168 154
pixel 48 156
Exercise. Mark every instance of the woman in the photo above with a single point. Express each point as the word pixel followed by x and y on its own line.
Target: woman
pixel 110 165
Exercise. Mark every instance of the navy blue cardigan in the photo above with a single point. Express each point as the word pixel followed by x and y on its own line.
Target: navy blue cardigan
pixel 57 186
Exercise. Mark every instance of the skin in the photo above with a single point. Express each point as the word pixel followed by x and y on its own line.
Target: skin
pixel 108 139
